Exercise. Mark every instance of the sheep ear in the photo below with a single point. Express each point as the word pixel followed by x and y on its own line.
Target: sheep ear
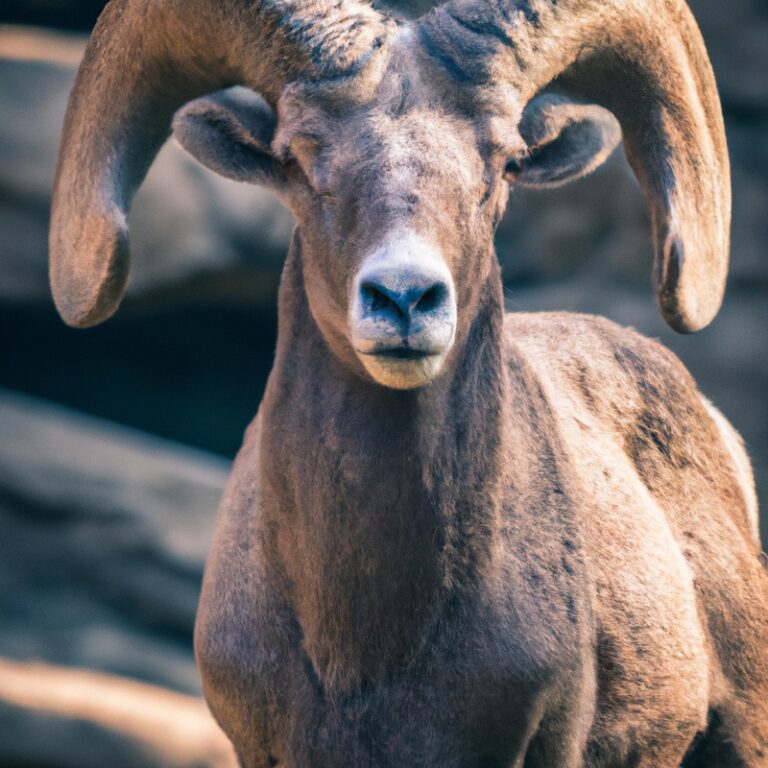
pixel 565 141
pixel 230 132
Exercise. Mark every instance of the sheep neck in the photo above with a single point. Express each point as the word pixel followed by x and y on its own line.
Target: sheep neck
pixel 382 506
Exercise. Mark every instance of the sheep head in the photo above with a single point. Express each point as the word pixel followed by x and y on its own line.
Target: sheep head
pixel 395 144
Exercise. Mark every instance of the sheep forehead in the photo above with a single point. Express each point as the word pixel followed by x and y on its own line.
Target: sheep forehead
pixel 429 130
pixel 420 147
pixel 407 135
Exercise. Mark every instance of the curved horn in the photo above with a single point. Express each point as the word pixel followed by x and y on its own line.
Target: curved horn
pixel 645 61
pixel 145 59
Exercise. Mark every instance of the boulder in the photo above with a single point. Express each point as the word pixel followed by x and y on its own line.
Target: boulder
pixel 104 532
pixel 104 536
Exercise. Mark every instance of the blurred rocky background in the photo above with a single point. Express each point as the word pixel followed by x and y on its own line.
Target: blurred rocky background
pixel 115 442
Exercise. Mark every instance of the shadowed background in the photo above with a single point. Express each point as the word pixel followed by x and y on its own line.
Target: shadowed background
pixel 115 442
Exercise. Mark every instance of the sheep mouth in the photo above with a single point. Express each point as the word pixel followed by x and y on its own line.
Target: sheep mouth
pixel 399 353
pixel 402 366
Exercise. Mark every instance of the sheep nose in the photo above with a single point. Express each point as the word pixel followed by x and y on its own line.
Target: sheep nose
pixel 403 312
pixel 401 296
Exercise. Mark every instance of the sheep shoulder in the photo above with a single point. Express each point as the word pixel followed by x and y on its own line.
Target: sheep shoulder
pixel 612 386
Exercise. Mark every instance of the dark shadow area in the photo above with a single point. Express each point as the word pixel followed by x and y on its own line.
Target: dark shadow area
pixel 194 373
pixel 64 14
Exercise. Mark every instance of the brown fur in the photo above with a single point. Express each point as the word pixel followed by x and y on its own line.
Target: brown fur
pixel 542 556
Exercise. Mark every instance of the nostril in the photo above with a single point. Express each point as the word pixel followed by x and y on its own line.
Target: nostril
pixel 431 298
pixel 378 299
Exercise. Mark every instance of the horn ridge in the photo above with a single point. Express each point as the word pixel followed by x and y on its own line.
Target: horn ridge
pixel 145 59
pixel 645 61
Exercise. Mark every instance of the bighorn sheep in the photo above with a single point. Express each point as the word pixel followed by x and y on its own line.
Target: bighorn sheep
pixel 452 537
